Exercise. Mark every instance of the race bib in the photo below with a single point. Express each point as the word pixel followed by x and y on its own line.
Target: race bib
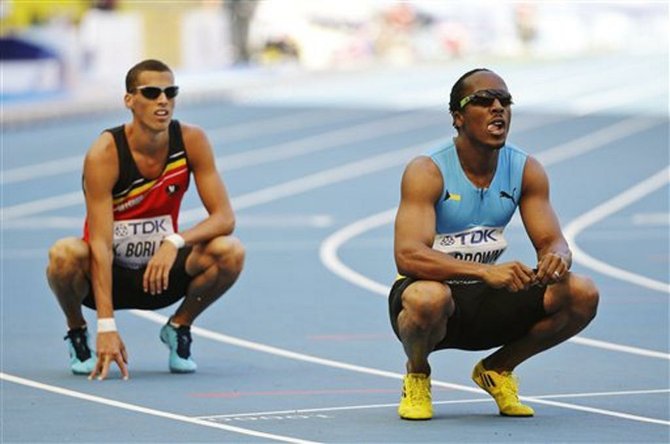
pixel 480 244
pixel 136 240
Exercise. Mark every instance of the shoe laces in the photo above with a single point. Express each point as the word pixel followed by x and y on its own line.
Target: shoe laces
pixel 418 391
pixel 79 339
pixel 509 384
pixel 184 341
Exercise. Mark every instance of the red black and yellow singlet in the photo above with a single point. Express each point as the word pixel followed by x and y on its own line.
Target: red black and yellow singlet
pixel 146 210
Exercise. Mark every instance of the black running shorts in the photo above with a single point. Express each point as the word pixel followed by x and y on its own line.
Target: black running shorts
pixel 127 291
pixel 484 317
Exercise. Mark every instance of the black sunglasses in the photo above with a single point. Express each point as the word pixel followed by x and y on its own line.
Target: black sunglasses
pixel 486 97
pixel 154 92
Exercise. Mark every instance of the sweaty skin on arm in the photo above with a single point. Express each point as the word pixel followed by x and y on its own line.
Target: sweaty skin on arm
pixel 212 192
pixel 100 175
pixel 415 228
pixel 542 226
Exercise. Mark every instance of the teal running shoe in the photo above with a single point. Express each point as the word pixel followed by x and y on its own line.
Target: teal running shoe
pixel 178 340
pixel 82 360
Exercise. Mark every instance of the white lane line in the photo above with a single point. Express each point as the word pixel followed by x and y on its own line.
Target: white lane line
pixel 43 169
pixel 337 409
pixel 289 188
pixel 220 135
pixel 259 156
pixel 23 253
pixel 605 412
pixel 285 220
pixel 453 401
pixel 594 140
pixel 617 96
pixel 328 140
pixel 39 223
pixel 147 411
pixel 331 245
pixel 619 347
pixel 651 219
pixel 617 203
pixel 276 124
pixel 575 83
pixel 256 220
pixel 328 253
pixel 317 180
pixel 243 343
pixel 40 206
pixel 599 394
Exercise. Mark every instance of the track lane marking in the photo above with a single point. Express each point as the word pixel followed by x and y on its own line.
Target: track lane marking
pixel 605 209
pixel 226 134
pixel 328 253
pixel 330 175
pixel 277 351
pixel 145 410
pixel 487 399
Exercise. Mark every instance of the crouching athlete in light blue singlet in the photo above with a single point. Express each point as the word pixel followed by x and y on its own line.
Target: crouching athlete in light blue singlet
pixel 449 234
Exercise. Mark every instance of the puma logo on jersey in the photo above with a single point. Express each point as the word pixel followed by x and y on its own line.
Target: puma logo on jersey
pixel 506 195
pixel 171 189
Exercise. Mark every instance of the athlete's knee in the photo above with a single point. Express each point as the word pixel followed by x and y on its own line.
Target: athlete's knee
pixel 583 297
pixel 587 297
pixel 67 257
pixel 228 253
pixel 428 301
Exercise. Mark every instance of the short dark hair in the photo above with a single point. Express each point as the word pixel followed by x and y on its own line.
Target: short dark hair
pixel 458 88
pixel 144 65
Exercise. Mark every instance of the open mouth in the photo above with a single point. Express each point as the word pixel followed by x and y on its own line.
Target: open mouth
pixel 496 127
pixel 161 113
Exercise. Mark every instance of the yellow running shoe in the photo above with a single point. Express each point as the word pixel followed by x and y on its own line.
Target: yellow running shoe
pixel 503 388
pixel 415 402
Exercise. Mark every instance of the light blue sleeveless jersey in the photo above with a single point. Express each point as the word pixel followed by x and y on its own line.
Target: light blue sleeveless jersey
pixel 470 220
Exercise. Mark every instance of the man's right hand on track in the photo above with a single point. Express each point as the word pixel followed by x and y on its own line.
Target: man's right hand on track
pixel 110 348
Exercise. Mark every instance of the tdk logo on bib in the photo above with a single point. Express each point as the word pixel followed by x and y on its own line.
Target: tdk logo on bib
pixel 479 244
pixel 470 238
pixel 148 226
pixel 137 240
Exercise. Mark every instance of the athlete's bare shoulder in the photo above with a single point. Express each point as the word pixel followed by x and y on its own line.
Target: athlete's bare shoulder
pixel 102 147
pixel 102 158
pixel 196 143
pixel 192 132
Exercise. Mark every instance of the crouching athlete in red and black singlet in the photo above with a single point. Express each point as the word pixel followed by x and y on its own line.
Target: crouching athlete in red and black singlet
pixel 132 254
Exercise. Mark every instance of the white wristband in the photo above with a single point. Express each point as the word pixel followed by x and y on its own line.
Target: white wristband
pixel 176 240
pixel 106 325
